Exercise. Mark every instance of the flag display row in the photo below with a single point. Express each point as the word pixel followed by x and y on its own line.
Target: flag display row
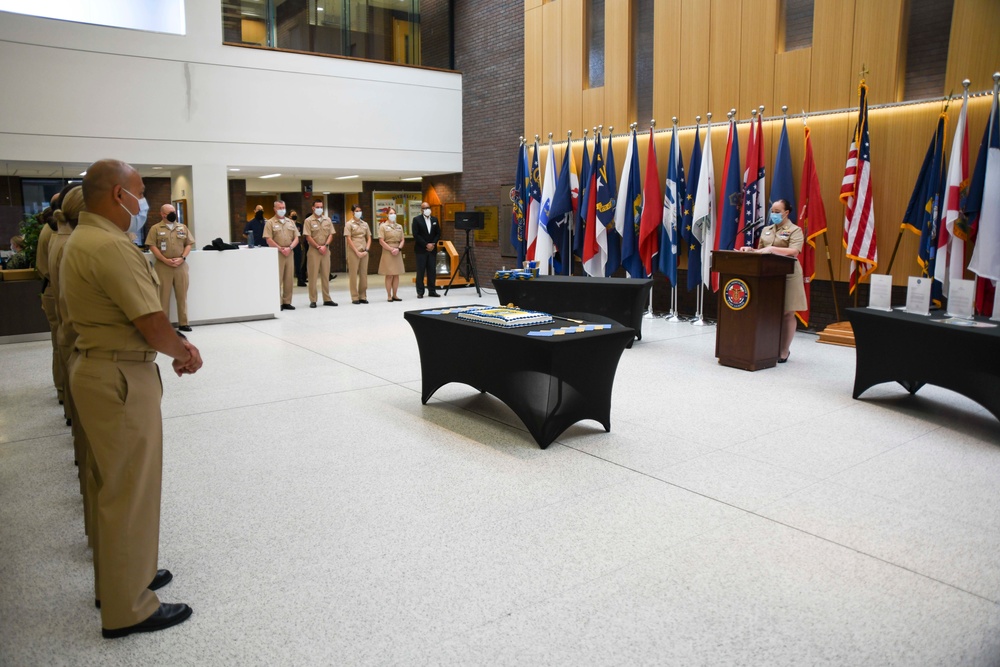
pixel 643 224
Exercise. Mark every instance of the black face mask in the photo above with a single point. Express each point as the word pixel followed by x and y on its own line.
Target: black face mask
pixel 259 215
pixel 171 217
pixel 294 218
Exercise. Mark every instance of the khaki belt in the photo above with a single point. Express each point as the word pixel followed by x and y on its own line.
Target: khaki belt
pixel 118 356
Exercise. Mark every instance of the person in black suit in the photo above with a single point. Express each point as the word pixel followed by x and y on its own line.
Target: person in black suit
pixel 426 234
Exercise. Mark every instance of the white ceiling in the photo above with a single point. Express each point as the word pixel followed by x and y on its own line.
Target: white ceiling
pixel 290 179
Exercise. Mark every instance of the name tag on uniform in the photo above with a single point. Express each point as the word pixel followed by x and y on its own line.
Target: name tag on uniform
pixel 277 225
pixel 315 225
pixel 161 233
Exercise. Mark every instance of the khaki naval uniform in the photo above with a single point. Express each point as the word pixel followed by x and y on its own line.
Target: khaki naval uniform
pixel 108 283
pixel 49 306
pixel 66 341
pixel 392 234
pixel 283 232
pixel 788 235
pixel 357 267
pixel 55 247
pixel 171 239
pixel 321 231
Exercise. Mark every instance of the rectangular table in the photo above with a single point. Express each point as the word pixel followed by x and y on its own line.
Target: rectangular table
pixel 915 350
pixel 623 300
pixel 549 382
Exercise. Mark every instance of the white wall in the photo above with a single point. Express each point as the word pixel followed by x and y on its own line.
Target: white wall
pixel 84 92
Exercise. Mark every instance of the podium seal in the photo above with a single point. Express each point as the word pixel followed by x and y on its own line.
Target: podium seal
pixel 736 294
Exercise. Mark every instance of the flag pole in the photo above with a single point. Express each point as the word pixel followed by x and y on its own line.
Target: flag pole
pixel 570 216
pixel 892 258
pixel 674 314
pixel 648 315
pixel 833 282
pixel 699 320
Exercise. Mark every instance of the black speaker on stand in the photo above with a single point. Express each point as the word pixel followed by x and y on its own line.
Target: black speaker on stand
pixel 468 221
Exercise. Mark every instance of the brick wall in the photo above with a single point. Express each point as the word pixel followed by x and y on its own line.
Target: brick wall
pixel 237 207
pixel 489 52
pixel 157 194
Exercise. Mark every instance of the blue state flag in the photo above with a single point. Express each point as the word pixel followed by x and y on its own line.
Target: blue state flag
pixel 559 212
pixel 783 187
pixel 732 196
pixel 519 199
pixel 628 211
pixel 923 211
pixel 673 211
pixel 614 239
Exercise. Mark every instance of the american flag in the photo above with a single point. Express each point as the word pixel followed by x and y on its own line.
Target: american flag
pixel 856 193
pixel 752 212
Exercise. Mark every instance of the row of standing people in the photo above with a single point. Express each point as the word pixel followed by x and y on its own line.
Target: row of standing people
pixel 283 233
pixel 109 324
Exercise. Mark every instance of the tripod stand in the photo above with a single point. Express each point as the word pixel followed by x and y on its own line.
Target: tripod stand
pixel 467 265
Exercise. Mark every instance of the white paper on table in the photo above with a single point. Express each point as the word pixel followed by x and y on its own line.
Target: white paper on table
pixel 961 296
pixel 880 294
pixel 996 304
pixel 918 295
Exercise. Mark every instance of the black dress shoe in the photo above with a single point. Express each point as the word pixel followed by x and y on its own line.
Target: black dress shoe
pixel 396 298
pixel 420 296
pixel 184 328
pixel 160 579
pixel 168 615
pixel 363 300
pixel 312 304
pixel 69 421
pixel 329 303
pixel 356 303
pixel 433 294
pixel 300 284
pixel 287 306
pixel 781 361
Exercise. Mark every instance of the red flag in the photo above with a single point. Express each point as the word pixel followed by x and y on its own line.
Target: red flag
pixel 812 219
pixel 749 205
pixel 856 192
pixel 652 211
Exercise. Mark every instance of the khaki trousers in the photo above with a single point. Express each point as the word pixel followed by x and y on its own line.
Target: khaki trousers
pixel 286 274
pixel 318 266
pixel 119 407
pixel 357 275
pixel 58 371
pixel 176 278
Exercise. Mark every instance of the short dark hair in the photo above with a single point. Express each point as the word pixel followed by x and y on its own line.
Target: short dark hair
pixel 784 203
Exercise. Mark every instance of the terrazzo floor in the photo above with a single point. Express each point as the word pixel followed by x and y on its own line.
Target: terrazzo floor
pixel 315 513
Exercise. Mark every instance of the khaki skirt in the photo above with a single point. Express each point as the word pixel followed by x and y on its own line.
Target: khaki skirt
pixel 795 290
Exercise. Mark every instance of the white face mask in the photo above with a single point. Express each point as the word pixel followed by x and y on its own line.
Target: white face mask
pixel 427 213
pixel 318 211
pixel 357 215
pixel 138 219
pixel 280 213
pixel 392 217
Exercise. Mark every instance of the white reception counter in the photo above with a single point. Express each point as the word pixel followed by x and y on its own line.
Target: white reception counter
pixel 231 285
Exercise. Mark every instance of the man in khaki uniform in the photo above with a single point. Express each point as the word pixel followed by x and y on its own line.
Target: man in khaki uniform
pixel 318 230
pixel 281 233
pixel 48 303
pixel 114 305
pixel 170 242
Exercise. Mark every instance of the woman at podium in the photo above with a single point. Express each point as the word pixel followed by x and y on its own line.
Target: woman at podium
pixel 784 237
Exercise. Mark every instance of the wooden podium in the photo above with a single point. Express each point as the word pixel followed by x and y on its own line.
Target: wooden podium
pixel 751 303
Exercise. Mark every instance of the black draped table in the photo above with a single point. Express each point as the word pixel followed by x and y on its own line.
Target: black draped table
pixel 915 350
pixel 623 300
pixel 549 382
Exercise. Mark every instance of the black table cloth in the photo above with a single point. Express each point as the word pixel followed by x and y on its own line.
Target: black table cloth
pixel 549 382
pixel 623 300
pixel 915 350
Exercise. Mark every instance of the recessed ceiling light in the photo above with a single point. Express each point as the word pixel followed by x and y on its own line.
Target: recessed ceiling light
pixel 157 168
pixel 414 178
pixel 234 169
pixel 326 193
pixel 319 9
pixel 83 173
pixel 271 176
pixel 345 178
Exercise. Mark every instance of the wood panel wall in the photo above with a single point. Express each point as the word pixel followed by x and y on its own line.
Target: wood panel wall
pixel 713 55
